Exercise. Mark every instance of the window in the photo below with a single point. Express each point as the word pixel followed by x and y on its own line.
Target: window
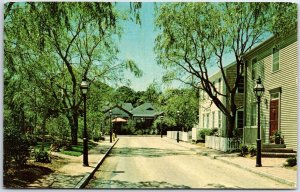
pixel 240 85
pixel 207 120
pixel 240 119
pixel 220 81
pixel 253 114
pixel 275 59
pixel 219 119
pixel 274 96
pixel 203 120
pixel 254 70
pixel 213 119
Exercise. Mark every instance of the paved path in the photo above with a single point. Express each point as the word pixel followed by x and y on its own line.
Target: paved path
pixel 69 175
pixel 152 162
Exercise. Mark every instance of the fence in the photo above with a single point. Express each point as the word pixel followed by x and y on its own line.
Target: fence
pixel 183 136
pixel 221 143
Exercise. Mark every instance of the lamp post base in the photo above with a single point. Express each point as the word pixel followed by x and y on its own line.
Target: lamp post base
pixel 85 153
pixel 258 153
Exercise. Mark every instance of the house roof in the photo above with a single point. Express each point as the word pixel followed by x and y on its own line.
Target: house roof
pixel 144 110
pixel 127 106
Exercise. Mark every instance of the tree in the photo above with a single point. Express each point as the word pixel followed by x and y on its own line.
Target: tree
pixel 183 100
pixel 197 36
pixel 60 43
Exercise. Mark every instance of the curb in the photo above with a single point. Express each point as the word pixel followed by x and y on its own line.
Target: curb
pixel 83 182
pixel 280 180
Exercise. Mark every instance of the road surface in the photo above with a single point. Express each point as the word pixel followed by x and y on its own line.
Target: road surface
pixel 152 162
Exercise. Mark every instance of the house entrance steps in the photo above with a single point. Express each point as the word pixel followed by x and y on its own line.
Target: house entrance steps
pixel 277 151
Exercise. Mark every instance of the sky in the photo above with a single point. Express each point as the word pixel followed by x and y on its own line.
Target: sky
pixel 137 43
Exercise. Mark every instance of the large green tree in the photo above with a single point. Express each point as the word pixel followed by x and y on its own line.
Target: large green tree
pixel 57 44
pixel 194 37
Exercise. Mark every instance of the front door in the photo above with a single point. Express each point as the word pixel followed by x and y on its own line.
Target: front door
pixel 273 116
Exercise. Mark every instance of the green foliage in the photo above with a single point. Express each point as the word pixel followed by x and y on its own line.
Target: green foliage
pixel 205 131
pixel 291 161
pixel 16 147
pixel 244 150
pixel 252 150
pixel 42 156
pixel 194 37
pixel 182 100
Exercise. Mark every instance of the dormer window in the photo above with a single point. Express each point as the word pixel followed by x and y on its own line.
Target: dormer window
pixel 149 109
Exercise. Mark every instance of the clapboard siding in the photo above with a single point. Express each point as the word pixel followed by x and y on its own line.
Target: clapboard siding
pixel 286 78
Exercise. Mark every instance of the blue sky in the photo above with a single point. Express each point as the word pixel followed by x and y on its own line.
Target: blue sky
pixel 137 43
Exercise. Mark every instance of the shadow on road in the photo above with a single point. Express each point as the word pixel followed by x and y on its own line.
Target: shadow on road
pixel 146 152
pixel 133 185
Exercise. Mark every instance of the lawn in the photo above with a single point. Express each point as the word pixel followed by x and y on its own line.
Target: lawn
pixel 77 150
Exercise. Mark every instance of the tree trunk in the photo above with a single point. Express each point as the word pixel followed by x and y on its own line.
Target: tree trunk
pixel 73 122
pixel 230 126
pixel 43 130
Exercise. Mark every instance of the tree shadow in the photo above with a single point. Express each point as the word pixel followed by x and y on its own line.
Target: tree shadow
pixel 146 152
pixel 105 184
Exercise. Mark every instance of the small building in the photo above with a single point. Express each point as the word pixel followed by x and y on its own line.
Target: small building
pixel 143 115
pixel 276 62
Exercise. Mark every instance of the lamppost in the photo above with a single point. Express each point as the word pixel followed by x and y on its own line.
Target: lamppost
pixel 84 88
pixel 178 126
pixel 161 127
pixel 110 133
pixel 258 91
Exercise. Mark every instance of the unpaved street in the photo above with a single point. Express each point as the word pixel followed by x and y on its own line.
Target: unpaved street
pixel 152 162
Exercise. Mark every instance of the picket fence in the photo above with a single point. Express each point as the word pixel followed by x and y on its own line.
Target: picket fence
pixel 221 143
pixel 183 136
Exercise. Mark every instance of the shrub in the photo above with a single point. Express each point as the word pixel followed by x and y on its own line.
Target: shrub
pixel 16 147
pixel 42 156
pixel 214 132
pixel 252 150
pixel 244 150
pixel 290 162
pixel 204 132
pixel 96 138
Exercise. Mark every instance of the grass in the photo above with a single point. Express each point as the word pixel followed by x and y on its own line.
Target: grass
pixel 77 150
pixel 46 146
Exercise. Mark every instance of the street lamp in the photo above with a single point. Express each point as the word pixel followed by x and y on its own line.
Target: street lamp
pixel 110 133
pixel 161 127
pixel 258 91
pixel 178 126
pixel 84 88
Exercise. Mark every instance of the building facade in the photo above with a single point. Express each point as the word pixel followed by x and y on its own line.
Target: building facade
pixel 275 61
pixel 210 116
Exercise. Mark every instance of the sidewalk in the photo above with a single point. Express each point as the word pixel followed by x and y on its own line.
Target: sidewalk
pixel 74 174
pixel 271 167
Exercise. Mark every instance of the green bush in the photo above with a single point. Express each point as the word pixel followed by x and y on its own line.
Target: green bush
pixel 42 156
pixel 204 132
pixel 214 132
pixel 244 150
pixel 252 150
pixel 96 138
pixel 16 147
pixel 291 162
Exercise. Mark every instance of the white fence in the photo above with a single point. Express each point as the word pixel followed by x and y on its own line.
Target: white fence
pixel 221 143
pixel 196 134
pixel 183 136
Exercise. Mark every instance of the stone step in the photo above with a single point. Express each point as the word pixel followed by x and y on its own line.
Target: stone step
pixel 271 145
pixel 278 155
pixel 278 150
